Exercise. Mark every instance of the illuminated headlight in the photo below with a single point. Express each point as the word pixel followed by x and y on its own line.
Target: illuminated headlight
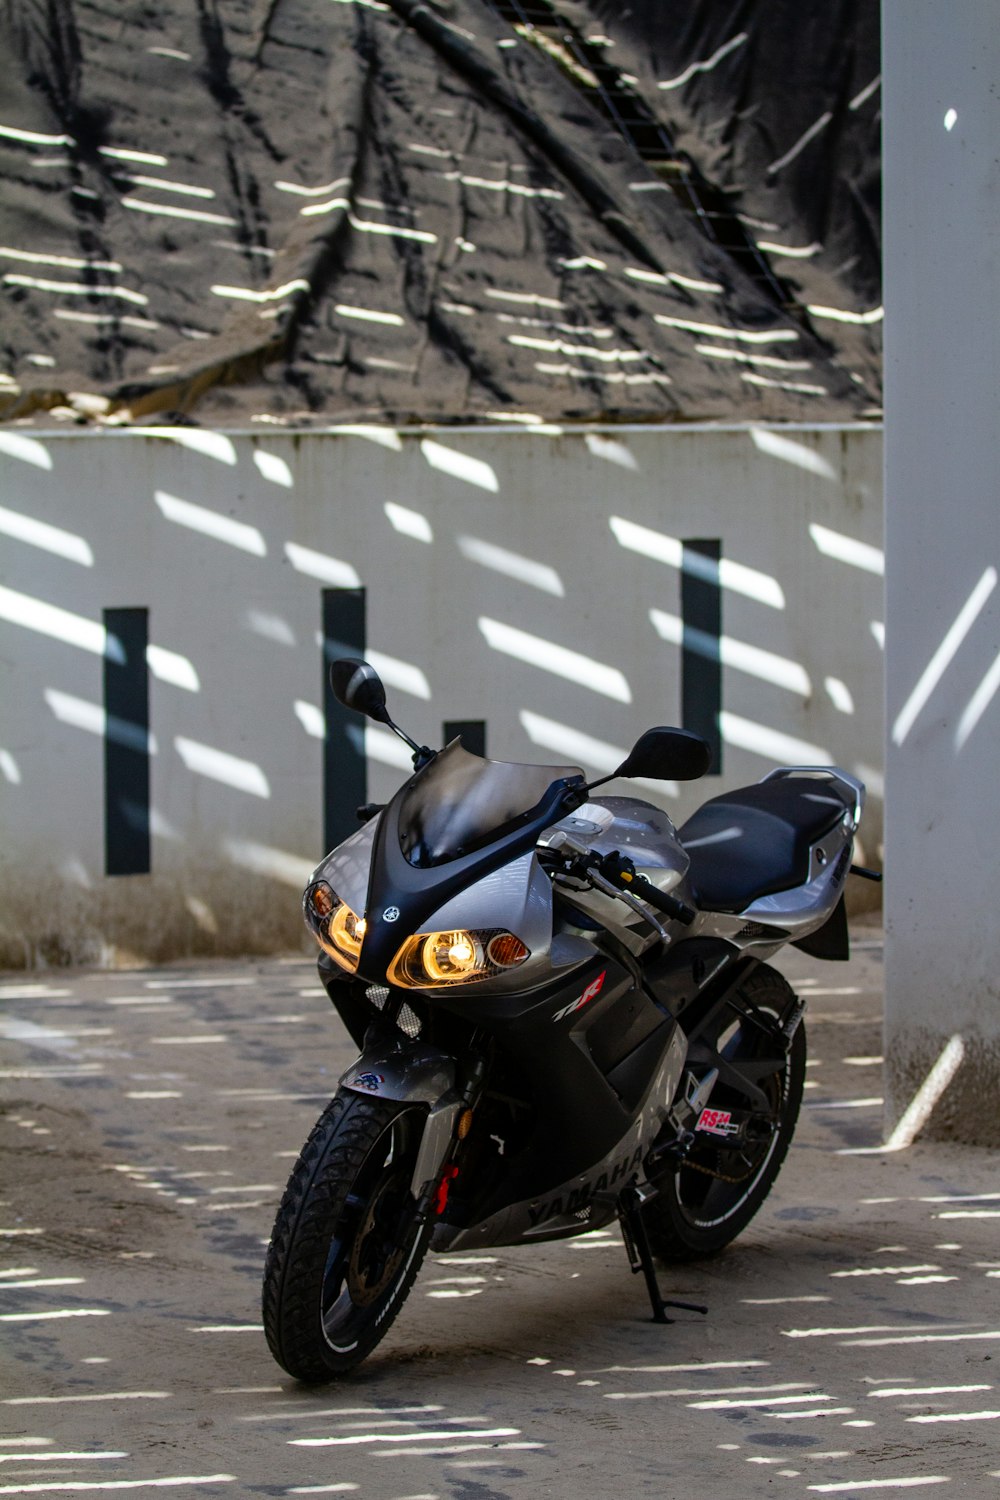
pixel 338 930
pixel 432 959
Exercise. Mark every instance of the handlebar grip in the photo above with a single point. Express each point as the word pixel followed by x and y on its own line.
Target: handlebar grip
pixel 669 905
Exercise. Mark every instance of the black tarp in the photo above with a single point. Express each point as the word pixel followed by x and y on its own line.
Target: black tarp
pixel 319 211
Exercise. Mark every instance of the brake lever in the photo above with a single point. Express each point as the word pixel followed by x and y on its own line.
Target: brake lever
pixel 590 862
pixel 598 881
pixel 617 867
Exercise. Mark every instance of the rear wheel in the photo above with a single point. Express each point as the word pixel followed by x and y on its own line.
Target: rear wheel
pixel 346 1244
pixel 707 1198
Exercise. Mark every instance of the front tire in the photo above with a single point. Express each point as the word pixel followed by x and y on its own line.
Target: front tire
pixel 709 1197
pixel 346 1244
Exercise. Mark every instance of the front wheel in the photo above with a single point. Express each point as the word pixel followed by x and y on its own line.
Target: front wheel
pixel 346 1244
pixel 708 1197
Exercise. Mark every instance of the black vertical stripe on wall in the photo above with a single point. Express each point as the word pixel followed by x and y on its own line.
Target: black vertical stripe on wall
pixel 345 769
pixel 472 733
pixel 126 743
pixel 701 649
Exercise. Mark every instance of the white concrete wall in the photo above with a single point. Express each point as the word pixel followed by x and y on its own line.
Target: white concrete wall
pixel 798 512
pixel 941 93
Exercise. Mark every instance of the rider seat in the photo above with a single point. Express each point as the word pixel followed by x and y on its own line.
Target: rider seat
pixel 756 840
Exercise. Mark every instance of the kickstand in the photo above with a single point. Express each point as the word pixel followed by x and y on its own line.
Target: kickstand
pixel 641 1257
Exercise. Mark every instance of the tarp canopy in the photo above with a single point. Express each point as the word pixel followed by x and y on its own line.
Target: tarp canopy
pixel 325 211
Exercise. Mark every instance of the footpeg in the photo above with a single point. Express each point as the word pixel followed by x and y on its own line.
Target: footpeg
pixel 698 1092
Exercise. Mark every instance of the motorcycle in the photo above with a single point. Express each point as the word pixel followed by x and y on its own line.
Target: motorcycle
pixel 565 1017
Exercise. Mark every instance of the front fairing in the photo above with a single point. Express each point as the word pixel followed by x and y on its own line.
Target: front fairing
pixel 348 867
pixel 497 883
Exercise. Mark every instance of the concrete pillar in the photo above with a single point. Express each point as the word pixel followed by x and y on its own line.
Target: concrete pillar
pixel 941 91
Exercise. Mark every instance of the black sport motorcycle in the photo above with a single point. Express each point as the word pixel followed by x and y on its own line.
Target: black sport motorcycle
pixel 564 1016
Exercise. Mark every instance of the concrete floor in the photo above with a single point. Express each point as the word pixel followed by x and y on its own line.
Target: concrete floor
pixel 149 1121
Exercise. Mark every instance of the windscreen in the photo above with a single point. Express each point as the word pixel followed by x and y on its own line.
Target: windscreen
pixel 460 801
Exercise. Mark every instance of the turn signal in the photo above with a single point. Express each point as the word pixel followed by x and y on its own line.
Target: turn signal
pixel 321 899
pixel 505 950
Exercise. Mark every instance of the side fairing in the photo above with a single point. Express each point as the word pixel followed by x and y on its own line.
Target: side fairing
pixel 586 1199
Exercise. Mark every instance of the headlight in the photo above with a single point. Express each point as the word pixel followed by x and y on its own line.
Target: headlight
pixel 338 930
pixel 432 959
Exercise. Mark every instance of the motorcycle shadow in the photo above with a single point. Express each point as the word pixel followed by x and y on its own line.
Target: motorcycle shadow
pixel 569 1305
pixel 551 1305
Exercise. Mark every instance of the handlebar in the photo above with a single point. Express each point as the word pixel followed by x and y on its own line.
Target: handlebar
pixel 622 872
pixel 616 873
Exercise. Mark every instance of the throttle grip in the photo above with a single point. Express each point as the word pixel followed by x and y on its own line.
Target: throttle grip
pixel 617 867
pixel 669 905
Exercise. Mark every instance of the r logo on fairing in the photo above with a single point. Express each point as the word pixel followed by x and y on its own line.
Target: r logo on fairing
pixel 593 989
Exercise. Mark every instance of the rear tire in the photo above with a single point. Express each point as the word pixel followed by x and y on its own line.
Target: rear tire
pixel 697 1211
pixel 346 1244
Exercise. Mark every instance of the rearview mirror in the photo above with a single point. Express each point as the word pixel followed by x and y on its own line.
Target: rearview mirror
pixel 665 754
pixel 357 685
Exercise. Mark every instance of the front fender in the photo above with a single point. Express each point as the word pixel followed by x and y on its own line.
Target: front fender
pixel 412 1073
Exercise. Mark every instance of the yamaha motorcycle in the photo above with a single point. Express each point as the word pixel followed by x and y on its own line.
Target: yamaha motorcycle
pixel 565 1018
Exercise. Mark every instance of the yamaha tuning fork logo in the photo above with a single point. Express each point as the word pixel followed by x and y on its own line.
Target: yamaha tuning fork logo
pixel 391 914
